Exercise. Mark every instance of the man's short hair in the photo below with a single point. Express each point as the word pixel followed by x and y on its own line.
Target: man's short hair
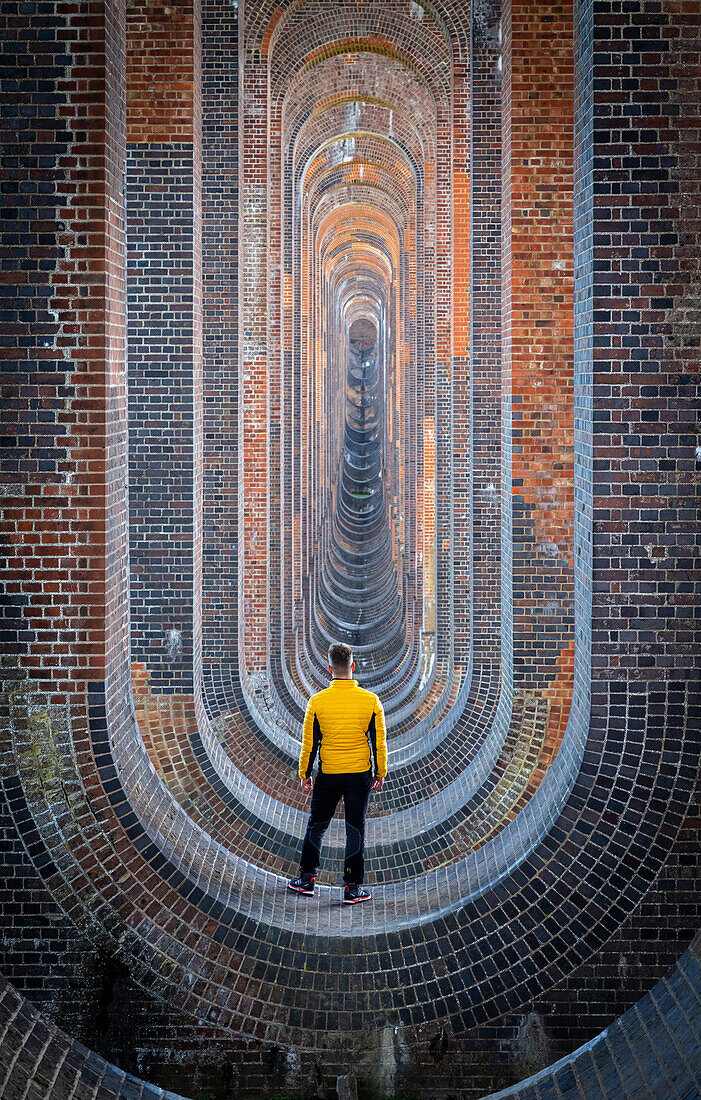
pixel 340 655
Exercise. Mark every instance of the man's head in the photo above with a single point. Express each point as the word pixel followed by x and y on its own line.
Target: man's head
pixel 341 661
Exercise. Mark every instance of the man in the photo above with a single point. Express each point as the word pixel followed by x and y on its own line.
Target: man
pixel 345 725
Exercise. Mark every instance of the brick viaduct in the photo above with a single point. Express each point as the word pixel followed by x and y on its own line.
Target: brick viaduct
pixel 375 321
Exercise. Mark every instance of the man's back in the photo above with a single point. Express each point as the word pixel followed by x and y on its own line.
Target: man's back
pixel 345 724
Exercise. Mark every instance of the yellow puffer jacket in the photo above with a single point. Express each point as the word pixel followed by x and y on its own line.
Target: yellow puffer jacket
pixel 345 724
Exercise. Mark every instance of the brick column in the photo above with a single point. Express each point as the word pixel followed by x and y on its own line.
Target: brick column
pixel 644 264
pixel 165 338
pixel 253 364
pixel 462 457
pixel 64 395
pixel 482 390
pixel 538 343
pixel 220 351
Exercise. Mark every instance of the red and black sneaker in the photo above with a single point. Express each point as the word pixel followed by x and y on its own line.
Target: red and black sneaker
pixel 352 894
pixel 302 885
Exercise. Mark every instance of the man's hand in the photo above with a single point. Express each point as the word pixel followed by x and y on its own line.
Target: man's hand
pixel 307 784
pixel 377 783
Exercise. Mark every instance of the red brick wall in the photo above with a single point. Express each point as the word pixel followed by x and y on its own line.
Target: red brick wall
pixel 538 258
pixel 164 198
pixel 161 85
pixel 63 384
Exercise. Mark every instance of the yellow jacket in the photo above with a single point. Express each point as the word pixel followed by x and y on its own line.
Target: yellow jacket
pixel 345 724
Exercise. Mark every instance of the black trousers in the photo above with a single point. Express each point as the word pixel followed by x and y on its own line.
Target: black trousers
pixel 354 789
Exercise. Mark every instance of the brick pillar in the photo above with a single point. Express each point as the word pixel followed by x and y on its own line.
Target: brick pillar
pixel 64 396
pixel 462 457
pixel 485 336
pixel 220 352
pixel 438 436
pixel 254 380
pixel 643 259
pixel 538 343
pixel 165 338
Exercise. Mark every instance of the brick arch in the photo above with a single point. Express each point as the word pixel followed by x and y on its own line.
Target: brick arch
pixel 345 260
pixel 374 45
pixel 419 169
pixel 491 750
pixel 450 17
pixel 330 199
pixel 395 87
pixel 294 190
pixel 423 43
pixel 371 149
pixel 371 116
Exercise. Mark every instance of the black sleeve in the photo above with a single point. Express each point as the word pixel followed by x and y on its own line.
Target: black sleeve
pixel 371 735
pixel 316 745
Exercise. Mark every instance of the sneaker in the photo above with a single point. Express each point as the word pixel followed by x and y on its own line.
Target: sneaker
pixel 302 885
pixel 352 894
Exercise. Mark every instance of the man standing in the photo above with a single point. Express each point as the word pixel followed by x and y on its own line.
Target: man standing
pixel 345 725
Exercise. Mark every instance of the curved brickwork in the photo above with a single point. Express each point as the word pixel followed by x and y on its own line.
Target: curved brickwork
pixel 359 322
pixel 640 1055
pixel 47 1063
pixel 653 1050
